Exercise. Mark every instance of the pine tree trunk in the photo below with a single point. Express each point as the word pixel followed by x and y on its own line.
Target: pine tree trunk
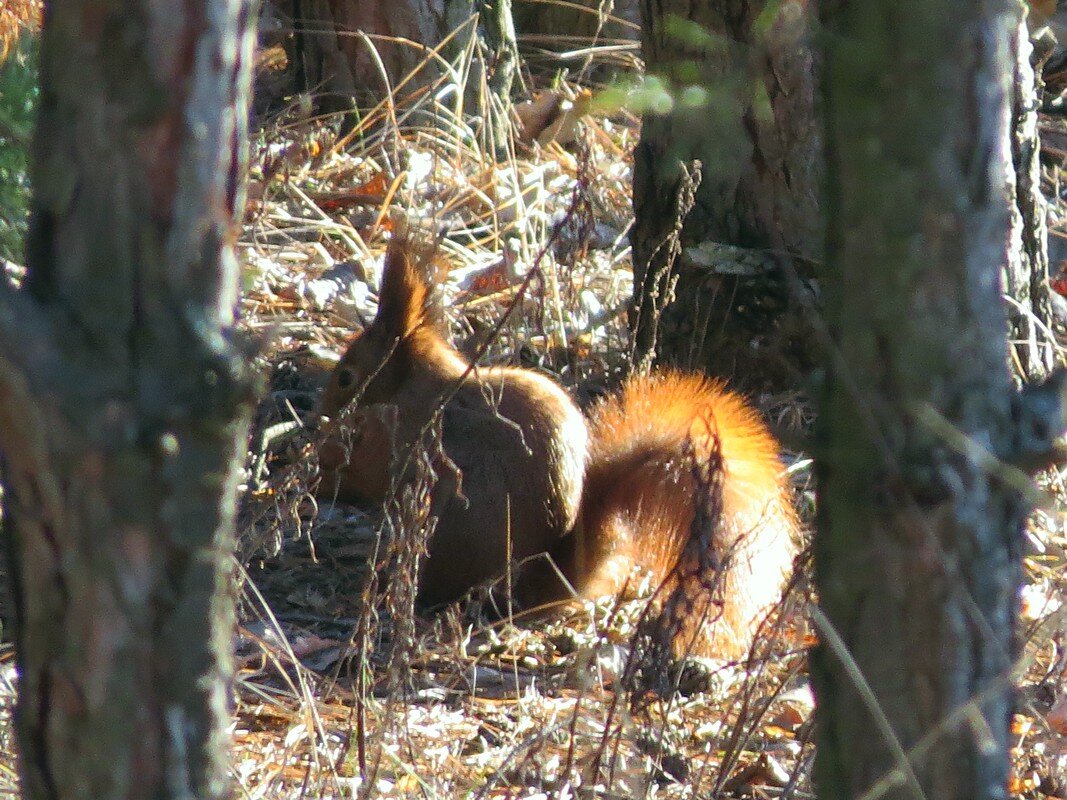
pixel 123 401
pixel 917 550
pixel 748 117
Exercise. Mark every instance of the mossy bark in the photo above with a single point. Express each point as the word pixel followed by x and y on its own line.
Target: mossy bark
pixel 917 552
pixel 124 401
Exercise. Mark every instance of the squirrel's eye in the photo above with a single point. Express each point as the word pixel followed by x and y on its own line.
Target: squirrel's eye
pixel 346 378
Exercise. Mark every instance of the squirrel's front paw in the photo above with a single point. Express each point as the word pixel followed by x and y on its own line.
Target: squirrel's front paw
pixel 356 453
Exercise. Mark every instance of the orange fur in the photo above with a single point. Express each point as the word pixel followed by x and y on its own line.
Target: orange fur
pixel 641 495
pixel 601 498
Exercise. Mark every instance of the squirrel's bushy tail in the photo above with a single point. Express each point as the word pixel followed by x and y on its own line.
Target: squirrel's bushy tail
pixel 684 480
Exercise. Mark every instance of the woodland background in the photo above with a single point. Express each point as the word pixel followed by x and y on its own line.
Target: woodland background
pixel 534 162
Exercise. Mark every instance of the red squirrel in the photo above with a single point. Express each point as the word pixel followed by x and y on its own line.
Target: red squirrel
pixel 599 497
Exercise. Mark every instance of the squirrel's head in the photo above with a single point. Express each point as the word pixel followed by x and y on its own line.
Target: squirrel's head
pixel 379 360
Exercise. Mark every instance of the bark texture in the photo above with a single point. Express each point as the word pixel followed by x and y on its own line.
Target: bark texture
pixel 413 26
pixel 742 76
pixel 355 53
pixel 918 542
pixel 568 31
pixel 1027 273
pixel 123 402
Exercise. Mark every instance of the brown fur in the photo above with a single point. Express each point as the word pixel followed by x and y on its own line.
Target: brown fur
pixel 624 498
pixel 516 438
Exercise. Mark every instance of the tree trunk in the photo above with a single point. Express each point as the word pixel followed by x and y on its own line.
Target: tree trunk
pixel 578 24
pixel 356 53
pixel 591 38
pixel 123 401
pixel 1027 273
pixel 742 79
pixel 917 551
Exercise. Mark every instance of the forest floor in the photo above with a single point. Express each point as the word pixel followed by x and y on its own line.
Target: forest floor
pixel 341 691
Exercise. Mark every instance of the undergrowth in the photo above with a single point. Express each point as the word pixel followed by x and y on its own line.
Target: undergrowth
pixel 18 90
pixel 341 691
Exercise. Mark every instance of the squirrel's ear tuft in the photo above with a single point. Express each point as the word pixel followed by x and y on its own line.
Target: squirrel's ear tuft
pixel 409 277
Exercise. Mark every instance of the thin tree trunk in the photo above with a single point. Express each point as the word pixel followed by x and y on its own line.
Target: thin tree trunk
pixel 743 82
pixel 917 551
pixel 1027 272
pixel 502 59
pixel 123 401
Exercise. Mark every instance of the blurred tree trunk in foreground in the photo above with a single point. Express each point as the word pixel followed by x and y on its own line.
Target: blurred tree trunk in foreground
pixel 123 401
pixel 917 551
pixel 742 77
